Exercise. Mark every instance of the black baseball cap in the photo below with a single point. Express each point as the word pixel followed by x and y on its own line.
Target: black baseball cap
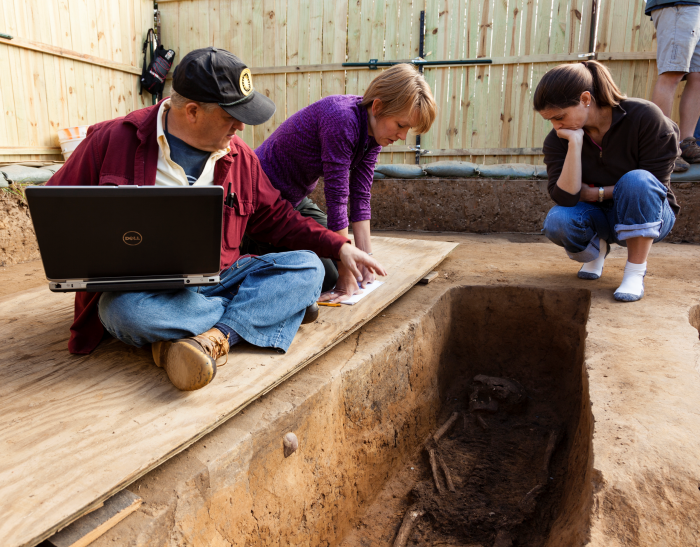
pixel 213 75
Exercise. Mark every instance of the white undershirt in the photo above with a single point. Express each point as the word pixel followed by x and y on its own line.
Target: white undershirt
pixel 170 173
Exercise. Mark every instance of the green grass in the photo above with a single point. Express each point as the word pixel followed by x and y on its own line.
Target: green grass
pixel 17 189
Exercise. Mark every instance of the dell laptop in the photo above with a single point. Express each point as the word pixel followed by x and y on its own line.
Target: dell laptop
pixel 127 238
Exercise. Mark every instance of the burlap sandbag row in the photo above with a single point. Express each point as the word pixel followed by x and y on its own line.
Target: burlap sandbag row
pixel 459 169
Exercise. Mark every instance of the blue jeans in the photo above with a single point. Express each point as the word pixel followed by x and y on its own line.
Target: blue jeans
pixel 639 208
pixel 263 299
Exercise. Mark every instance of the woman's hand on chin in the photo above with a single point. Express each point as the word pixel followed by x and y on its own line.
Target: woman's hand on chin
pixel 571 135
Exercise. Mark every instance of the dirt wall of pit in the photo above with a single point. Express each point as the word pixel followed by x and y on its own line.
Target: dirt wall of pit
pixel 488 206
pixel 17 238
pixel 426 204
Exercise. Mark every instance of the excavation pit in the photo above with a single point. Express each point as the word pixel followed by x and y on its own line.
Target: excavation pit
pixel 517 461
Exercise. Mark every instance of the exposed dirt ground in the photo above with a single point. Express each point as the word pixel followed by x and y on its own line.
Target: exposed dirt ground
pixel 20 277
pixel 643 365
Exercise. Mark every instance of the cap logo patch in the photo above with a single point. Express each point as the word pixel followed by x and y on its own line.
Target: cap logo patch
pixel 246 82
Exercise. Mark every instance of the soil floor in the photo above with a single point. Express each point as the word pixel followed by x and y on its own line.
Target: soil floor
pixel 495 459
pixel 643 365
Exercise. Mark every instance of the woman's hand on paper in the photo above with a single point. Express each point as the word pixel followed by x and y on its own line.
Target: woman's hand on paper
pixel 356 267
pixel 345 287
pixel 367 276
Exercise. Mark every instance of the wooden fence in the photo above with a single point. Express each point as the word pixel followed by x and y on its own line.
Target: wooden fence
pixel 69 62
pixel 296 47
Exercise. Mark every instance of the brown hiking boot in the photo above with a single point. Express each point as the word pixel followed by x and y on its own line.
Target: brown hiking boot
pixel 681 166
pixel 690 151
pixel 191 362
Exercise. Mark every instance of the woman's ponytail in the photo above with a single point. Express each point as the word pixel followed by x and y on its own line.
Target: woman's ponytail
pixel 606 92
pixel 562 86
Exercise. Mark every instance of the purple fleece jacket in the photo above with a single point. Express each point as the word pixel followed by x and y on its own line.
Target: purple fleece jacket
pixel 328 138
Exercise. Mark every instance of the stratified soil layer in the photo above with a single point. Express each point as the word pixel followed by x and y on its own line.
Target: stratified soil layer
pixel 481 205
pixel 17 240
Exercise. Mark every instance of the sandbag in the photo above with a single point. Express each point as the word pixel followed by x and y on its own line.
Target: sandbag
pixel 21 174
pixel 691 175
pixel 450 169
pixel 513 170
pixel 400 170
pixel 541 171
pixel 53 167
pixel 378 176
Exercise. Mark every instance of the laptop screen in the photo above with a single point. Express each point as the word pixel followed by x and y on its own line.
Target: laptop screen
pixel 127 232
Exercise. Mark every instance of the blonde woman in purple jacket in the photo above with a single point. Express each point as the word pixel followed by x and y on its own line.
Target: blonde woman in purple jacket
pixel 339 138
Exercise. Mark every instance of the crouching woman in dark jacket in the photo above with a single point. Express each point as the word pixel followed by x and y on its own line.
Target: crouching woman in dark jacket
pixel 609 161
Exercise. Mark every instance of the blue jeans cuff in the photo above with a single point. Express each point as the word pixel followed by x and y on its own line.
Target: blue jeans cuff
pixel 279 341
pixel 590 253
pixel 628 231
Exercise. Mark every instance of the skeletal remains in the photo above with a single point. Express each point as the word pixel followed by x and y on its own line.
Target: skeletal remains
pixel 487 393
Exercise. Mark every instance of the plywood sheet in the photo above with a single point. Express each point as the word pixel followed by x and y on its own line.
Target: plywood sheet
pixel 76 429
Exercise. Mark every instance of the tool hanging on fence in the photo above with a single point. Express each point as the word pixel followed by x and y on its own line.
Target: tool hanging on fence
pixel 421 54
pixel 420 62
pixel 374 64
pixel 153 74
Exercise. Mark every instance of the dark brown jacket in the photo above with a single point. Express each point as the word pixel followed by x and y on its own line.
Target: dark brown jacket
pixel 640 137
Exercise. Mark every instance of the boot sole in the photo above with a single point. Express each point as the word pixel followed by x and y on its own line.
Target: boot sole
pixel 188 368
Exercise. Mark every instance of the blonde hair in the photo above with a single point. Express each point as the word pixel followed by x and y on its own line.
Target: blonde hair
pixel 402 88
pixel 179 101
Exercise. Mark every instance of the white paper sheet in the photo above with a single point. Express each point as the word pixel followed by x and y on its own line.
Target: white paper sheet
pixel 367 290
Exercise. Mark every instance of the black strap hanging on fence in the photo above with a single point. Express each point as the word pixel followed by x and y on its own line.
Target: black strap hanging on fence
pixel 153 74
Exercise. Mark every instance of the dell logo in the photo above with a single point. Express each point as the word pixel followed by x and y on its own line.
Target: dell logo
pixel 132 238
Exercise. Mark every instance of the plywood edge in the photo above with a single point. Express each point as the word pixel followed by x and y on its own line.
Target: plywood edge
pixel 89 527
pixel 444 248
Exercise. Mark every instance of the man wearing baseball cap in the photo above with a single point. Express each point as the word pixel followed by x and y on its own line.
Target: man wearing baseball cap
pixel 190 139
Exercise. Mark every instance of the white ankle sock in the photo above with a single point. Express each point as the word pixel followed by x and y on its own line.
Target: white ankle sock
pixel 594 268
pixel 632 287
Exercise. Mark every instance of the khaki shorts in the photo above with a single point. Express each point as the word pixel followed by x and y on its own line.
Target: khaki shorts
pixel 677 36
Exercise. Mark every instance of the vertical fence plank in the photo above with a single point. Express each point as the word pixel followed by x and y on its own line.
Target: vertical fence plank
pixel 279 26
pixel 15 66
pixel 292 57
pixel 432 17
pixel 335 15
pixel 510 95
pixel 315 49
pixel 408 30
pixel 391 37
pixel 355 45
pixel 242 14
pixel 215 37
pixel 303 54
pixel 260 82
pixel 496 97
pixel 8 131
pixel 225 23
